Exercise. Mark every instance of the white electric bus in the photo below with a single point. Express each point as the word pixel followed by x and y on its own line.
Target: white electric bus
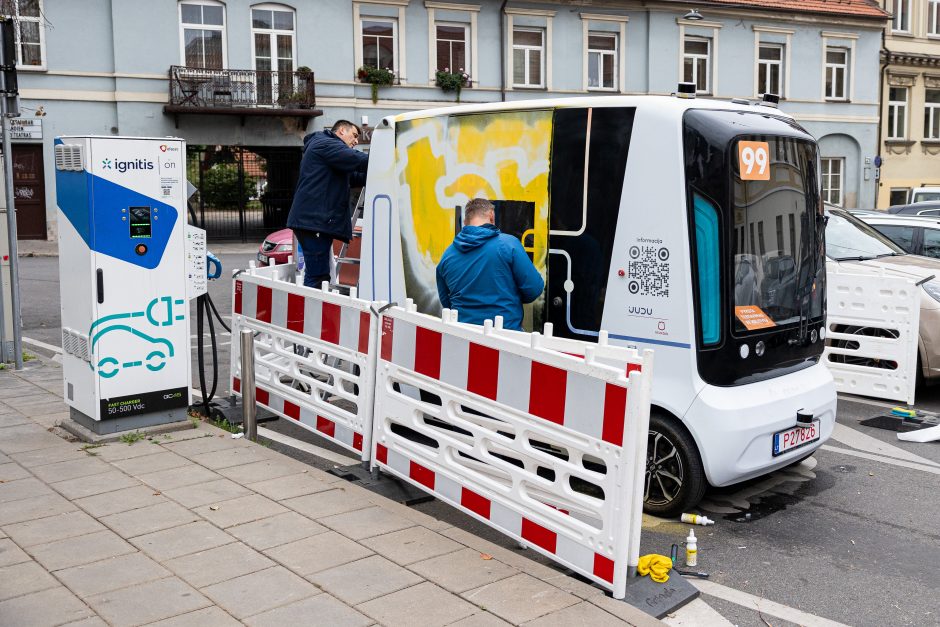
pixel 692 227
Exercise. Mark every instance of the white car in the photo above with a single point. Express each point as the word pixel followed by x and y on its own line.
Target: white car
pixel 923 194
pixel 918 235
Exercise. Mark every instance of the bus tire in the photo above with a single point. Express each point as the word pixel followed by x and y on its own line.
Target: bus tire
pixel 675 478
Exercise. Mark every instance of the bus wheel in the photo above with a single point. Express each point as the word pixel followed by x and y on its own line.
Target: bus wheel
pixel 675 479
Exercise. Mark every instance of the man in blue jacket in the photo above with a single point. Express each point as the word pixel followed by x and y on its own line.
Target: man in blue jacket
pixel 485 273
pixel 320 211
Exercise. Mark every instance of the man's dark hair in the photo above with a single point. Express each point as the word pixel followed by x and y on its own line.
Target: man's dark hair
pixel 340 124
pixel 476 207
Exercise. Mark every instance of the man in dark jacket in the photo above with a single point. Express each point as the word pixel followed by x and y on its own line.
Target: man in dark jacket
pixel 320 211
pixel 485 273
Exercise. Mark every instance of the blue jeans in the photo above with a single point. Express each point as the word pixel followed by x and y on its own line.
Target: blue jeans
pixel 317 249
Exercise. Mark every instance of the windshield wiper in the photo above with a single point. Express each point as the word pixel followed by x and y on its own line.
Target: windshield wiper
pixel 859 258
pixel 889 255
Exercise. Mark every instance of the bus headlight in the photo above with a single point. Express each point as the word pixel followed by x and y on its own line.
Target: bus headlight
pixel 933 289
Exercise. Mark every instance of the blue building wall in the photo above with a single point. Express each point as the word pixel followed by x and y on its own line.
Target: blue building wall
pixel 107 62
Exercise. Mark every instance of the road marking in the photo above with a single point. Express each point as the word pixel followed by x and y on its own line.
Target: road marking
pixel 762 605
pixel 881 458
pixel 286 440
pixel 858 440
pixel 48 347
pixel 698 612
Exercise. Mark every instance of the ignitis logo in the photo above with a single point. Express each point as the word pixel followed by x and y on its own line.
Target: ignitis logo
pixel 124 166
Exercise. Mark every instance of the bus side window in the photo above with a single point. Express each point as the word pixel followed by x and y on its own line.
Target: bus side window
pixel 708 266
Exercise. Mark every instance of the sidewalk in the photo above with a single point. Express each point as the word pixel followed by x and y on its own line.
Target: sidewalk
pixel 195 528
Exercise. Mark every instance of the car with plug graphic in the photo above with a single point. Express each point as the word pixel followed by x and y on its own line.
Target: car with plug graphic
pixel 153 353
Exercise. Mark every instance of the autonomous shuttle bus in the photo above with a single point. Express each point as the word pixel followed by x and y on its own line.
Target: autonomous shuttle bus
pixel 691 227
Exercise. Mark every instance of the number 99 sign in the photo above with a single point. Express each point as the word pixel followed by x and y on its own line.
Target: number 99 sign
pixel 754 161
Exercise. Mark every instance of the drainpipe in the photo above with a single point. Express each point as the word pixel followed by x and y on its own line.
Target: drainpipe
pixel 502 51
pixel 881 99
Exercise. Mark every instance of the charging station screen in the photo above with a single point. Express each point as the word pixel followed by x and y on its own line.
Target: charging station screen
pixel 140 222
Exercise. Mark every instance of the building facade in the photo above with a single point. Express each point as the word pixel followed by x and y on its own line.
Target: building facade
pixel 243 81
pixel 910 114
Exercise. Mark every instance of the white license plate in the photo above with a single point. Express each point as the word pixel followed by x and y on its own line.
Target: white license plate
pixel 263 259
pixel 795 437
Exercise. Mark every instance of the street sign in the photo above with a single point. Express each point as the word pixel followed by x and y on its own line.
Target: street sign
pixel 25 128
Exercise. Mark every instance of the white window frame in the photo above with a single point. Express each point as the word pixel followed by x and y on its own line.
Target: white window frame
pixel 933 18
pixel 362 38
pixel 272 34
pixel 764 34
pixel 931 116
pixel 761 89
pixel 834 67
pixel 901 19
pixel 360 13
pixel 527 49
pixel 472 11
pixel 184 27
pixel 709 55
pixel 615 54
pixel 827 178
pixel 39 20
pixel 532 18
pixel 466 41
pixel 602 18
pixel 897 129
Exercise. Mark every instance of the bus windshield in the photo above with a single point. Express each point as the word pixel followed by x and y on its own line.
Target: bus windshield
pixel 777 268
pixel 757 243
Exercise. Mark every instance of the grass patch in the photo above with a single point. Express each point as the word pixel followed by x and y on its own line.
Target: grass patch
pixel 28 356
pixel 131 438
pixel 225 425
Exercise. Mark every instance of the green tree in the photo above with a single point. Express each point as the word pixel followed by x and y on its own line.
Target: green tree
pixel 221 187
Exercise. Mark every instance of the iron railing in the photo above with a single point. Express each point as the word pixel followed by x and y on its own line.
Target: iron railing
pixel 202 88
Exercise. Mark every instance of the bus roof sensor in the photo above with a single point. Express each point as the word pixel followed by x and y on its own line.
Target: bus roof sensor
pixel 686 90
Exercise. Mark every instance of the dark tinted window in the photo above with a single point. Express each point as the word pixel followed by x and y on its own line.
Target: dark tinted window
pixel 932 243
pixel 903 236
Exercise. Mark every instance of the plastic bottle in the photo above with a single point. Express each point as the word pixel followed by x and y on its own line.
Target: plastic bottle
pixel 697 519
pixel 691 549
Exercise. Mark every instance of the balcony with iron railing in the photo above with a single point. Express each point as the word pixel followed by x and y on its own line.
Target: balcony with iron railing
pixel 241 92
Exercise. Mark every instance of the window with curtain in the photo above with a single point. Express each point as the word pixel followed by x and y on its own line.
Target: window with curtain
pixel 28 33
pixel 602 61
pixel 202 26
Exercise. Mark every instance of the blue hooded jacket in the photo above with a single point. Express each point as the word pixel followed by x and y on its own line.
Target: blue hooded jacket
pixel 485 274
pixel 321 200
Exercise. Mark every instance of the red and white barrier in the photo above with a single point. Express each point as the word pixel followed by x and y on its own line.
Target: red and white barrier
pixel 546 447
pixel 314 362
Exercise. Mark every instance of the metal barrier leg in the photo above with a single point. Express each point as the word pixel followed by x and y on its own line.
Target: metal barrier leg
pixel 249 409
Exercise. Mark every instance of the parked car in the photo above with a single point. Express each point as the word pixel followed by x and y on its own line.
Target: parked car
pixel 927 208
pixel 856 247
pixel 925 193
pixel 865 212
pixel 915 234
pixel 277 246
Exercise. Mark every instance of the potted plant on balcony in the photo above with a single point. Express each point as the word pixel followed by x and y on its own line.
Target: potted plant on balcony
pixel 294 100
pixel 452 81
pixel 377 77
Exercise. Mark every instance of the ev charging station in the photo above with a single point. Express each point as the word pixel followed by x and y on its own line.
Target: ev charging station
pixel 128 265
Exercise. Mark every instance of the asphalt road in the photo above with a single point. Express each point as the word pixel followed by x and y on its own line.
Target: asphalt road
pixel 851 534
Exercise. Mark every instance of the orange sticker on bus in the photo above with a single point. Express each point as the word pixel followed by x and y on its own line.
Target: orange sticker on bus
pixel 753 317
pixel 754 161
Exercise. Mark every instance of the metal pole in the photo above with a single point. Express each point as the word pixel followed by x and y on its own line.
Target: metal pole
pixel 11 234
pixel 249 416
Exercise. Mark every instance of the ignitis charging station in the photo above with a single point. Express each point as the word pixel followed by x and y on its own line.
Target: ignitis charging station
pixel 128 266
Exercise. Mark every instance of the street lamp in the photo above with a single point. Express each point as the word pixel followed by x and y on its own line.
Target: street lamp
pixel 693 15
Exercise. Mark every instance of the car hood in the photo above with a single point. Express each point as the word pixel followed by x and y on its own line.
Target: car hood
pixel 284 236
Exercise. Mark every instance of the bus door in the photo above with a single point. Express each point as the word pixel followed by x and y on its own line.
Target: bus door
pixel 588 162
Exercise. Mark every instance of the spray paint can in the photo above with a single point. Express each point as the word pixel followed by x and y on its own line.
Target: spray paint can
pixel 691 549
pixel 697 519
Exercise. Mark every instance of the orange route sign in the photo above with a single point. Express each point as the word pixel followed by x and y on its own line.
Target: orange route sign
pixel 754 161
pixel 753 317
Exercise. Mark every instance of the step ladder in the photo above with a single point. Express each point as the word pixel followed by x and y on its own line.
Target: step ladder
pixel 342 258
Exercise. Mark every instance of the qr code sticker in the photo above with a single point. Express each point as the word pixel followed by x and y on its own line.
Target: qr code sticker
pixel 648 271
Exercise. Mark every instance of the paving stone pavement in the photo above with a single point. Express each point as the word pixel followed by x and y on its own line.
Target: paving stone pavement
pixel 195 528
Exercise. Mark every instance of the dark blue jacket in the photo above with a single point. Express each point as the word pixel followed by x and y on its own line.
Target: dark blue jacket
pixel 321 200
pixel 485 274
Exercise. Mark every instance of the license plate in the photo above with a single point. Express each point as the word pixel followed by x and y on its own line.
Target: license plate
pixel 263 259
pixel 795 437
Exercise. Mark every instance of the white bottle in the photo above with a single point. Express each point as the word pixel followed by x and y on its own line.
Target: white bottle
pixel 691 549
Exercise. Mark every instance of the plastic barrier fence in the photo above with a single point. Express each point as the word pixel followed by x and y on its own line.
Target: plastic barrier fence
pixel 872 334
pixel 547 448
pixel 314 362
